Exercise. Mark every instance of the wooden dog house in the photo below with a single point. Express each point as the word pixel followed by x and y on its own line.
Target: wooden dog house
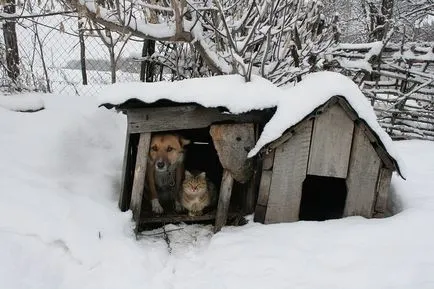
pixel 330 164
pixel 312 156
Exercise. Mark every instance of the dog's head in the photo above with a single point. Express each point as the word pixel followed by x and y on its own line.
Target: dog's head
pixel 166 150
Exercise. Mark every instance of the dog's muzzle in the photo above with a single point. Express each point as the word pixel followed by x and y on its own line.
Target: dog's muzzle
pixel 160 165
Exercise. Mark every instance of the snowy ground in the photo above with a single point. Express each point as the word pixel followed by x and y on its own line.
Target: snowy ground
pixel 60 226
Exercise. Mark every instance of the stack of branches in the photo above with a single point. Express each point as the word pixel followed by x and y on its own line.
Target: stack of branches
pixel 398 78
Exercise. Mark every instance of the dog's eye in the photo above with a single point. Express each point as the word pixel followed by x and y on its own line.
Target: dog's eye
pixel 169 149
pixel 154 148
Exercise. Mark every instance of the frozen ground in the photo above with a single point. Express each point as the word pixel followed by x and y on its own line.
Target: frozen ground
pixel 60 226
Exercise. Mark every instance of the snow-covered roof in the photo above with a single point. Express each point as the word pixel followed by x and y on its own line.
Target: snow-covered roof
pixel 292 104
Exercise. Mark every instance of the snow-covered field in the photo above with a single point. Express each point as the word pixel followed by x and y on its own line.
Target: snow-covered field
pixel 60 226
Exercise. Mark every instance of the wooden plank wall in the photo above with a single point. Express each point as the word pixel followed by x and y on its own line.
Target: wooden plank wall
pixel 289 172
pixel 331 143
pixel 383 186
pixel 362 176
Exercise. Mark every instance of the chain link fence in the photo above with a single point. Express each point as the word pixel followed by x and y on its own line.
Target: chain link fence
pixel 51 61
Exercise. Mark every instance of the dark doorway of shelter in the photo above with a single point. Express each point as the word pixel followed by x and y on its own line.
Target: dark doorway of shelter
pixel 322 198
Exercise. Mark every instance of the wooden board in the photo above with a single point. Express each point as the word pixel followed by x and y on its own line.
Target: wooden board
pixel 224 200
pixel 232 143
pixel 139 175
pixel 289 172
pixel 183 117
pixel 362 176
pixel 331 143
pixel 264 191
pixel 383 186
pixel 267 162
pixel 125 193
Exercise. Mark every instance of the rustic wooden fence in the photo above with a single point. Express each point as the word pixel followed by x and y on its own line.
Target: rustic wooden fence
pixel 398 80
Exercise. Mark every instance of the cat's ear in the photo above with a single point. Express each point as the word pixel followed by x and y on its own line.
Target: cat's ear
pixel 183 141
pixel 188 174
pixel 202 175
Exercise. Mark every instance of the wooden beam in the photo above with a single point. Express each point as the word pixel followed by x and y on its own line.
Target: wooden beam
pixel 362 176
pixel 289 173
pixel 383 186
pixel 268 160
pixel 139 176
pixel 264 191
pixel 224 200
pixel 331 143
pixel 125 193
pixel 232 143
pixel 184 117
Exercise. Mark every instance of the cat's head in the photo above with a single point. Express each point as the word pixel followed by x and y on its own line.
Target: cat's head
pixel 194 183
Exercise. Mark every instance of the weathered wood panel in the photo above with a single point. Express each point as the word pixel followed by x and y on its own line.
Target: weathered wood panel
pixel 264 191
pixel 268 160
pixel 139 175
pixel 383 187
pixel 125 193
pixel 362 176
pixel 224 200
pixel 331 143
pixel 232 143
pixel 289 172
pixel 184 117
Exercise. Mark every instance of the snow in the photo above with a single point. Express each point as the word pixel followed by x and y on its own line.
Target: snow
pixel 232 92
pixel 22 102
pixel 60 226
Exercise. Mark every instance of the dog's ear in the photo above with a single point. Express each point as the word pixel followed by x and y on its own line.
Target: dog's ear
pixel 183 141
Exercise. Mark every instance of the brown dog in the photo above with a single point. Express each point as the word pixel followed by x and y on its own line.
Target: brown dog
pixel 165 170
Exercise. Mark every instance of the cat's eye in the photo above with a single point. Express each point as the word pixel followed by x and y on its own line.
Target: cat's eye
pixel 169 149
pixel 154 148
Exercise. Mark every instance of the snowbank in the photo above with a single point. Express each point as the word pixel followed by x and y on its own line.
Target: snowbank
pixel 22 102
pixel 232 92
pixel 60 227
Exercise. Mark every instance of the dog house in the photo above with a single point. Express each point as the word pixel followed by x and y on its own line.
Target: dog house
pixel 287 155
pixel 331 164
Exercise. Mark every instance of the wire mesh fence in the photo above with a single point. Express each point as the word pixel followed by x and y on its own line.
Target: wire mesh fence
pixel 51 56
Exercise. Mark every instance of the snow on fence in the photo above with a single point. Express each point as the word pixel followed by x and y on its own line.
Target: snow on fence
pixel 399 81
pixel 50 55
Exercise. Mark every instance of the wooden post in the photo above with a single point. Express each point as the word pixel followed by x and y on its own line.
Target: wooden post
pixel 125 194
pixel 224 200
pixel 139 176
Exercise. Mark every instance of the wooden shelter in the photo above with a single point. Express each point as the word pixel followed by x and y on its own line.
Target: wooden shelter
pixel 330 164
pixel 220 143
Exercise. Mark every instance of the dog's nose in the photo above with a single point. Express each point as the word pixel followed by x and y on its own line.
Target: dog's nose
pixel 160 164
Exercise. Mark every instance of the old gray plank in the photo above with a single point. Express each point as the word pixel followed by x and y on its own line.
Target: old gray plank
pixel 331 143
pixel 232 143
pixel 268 160
pixel 224 200
pixel 139 175
pixel 383 187
pixel 125 193
pixel 183 117
pixel 264 191
pixel 362 176
pixel 289 172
